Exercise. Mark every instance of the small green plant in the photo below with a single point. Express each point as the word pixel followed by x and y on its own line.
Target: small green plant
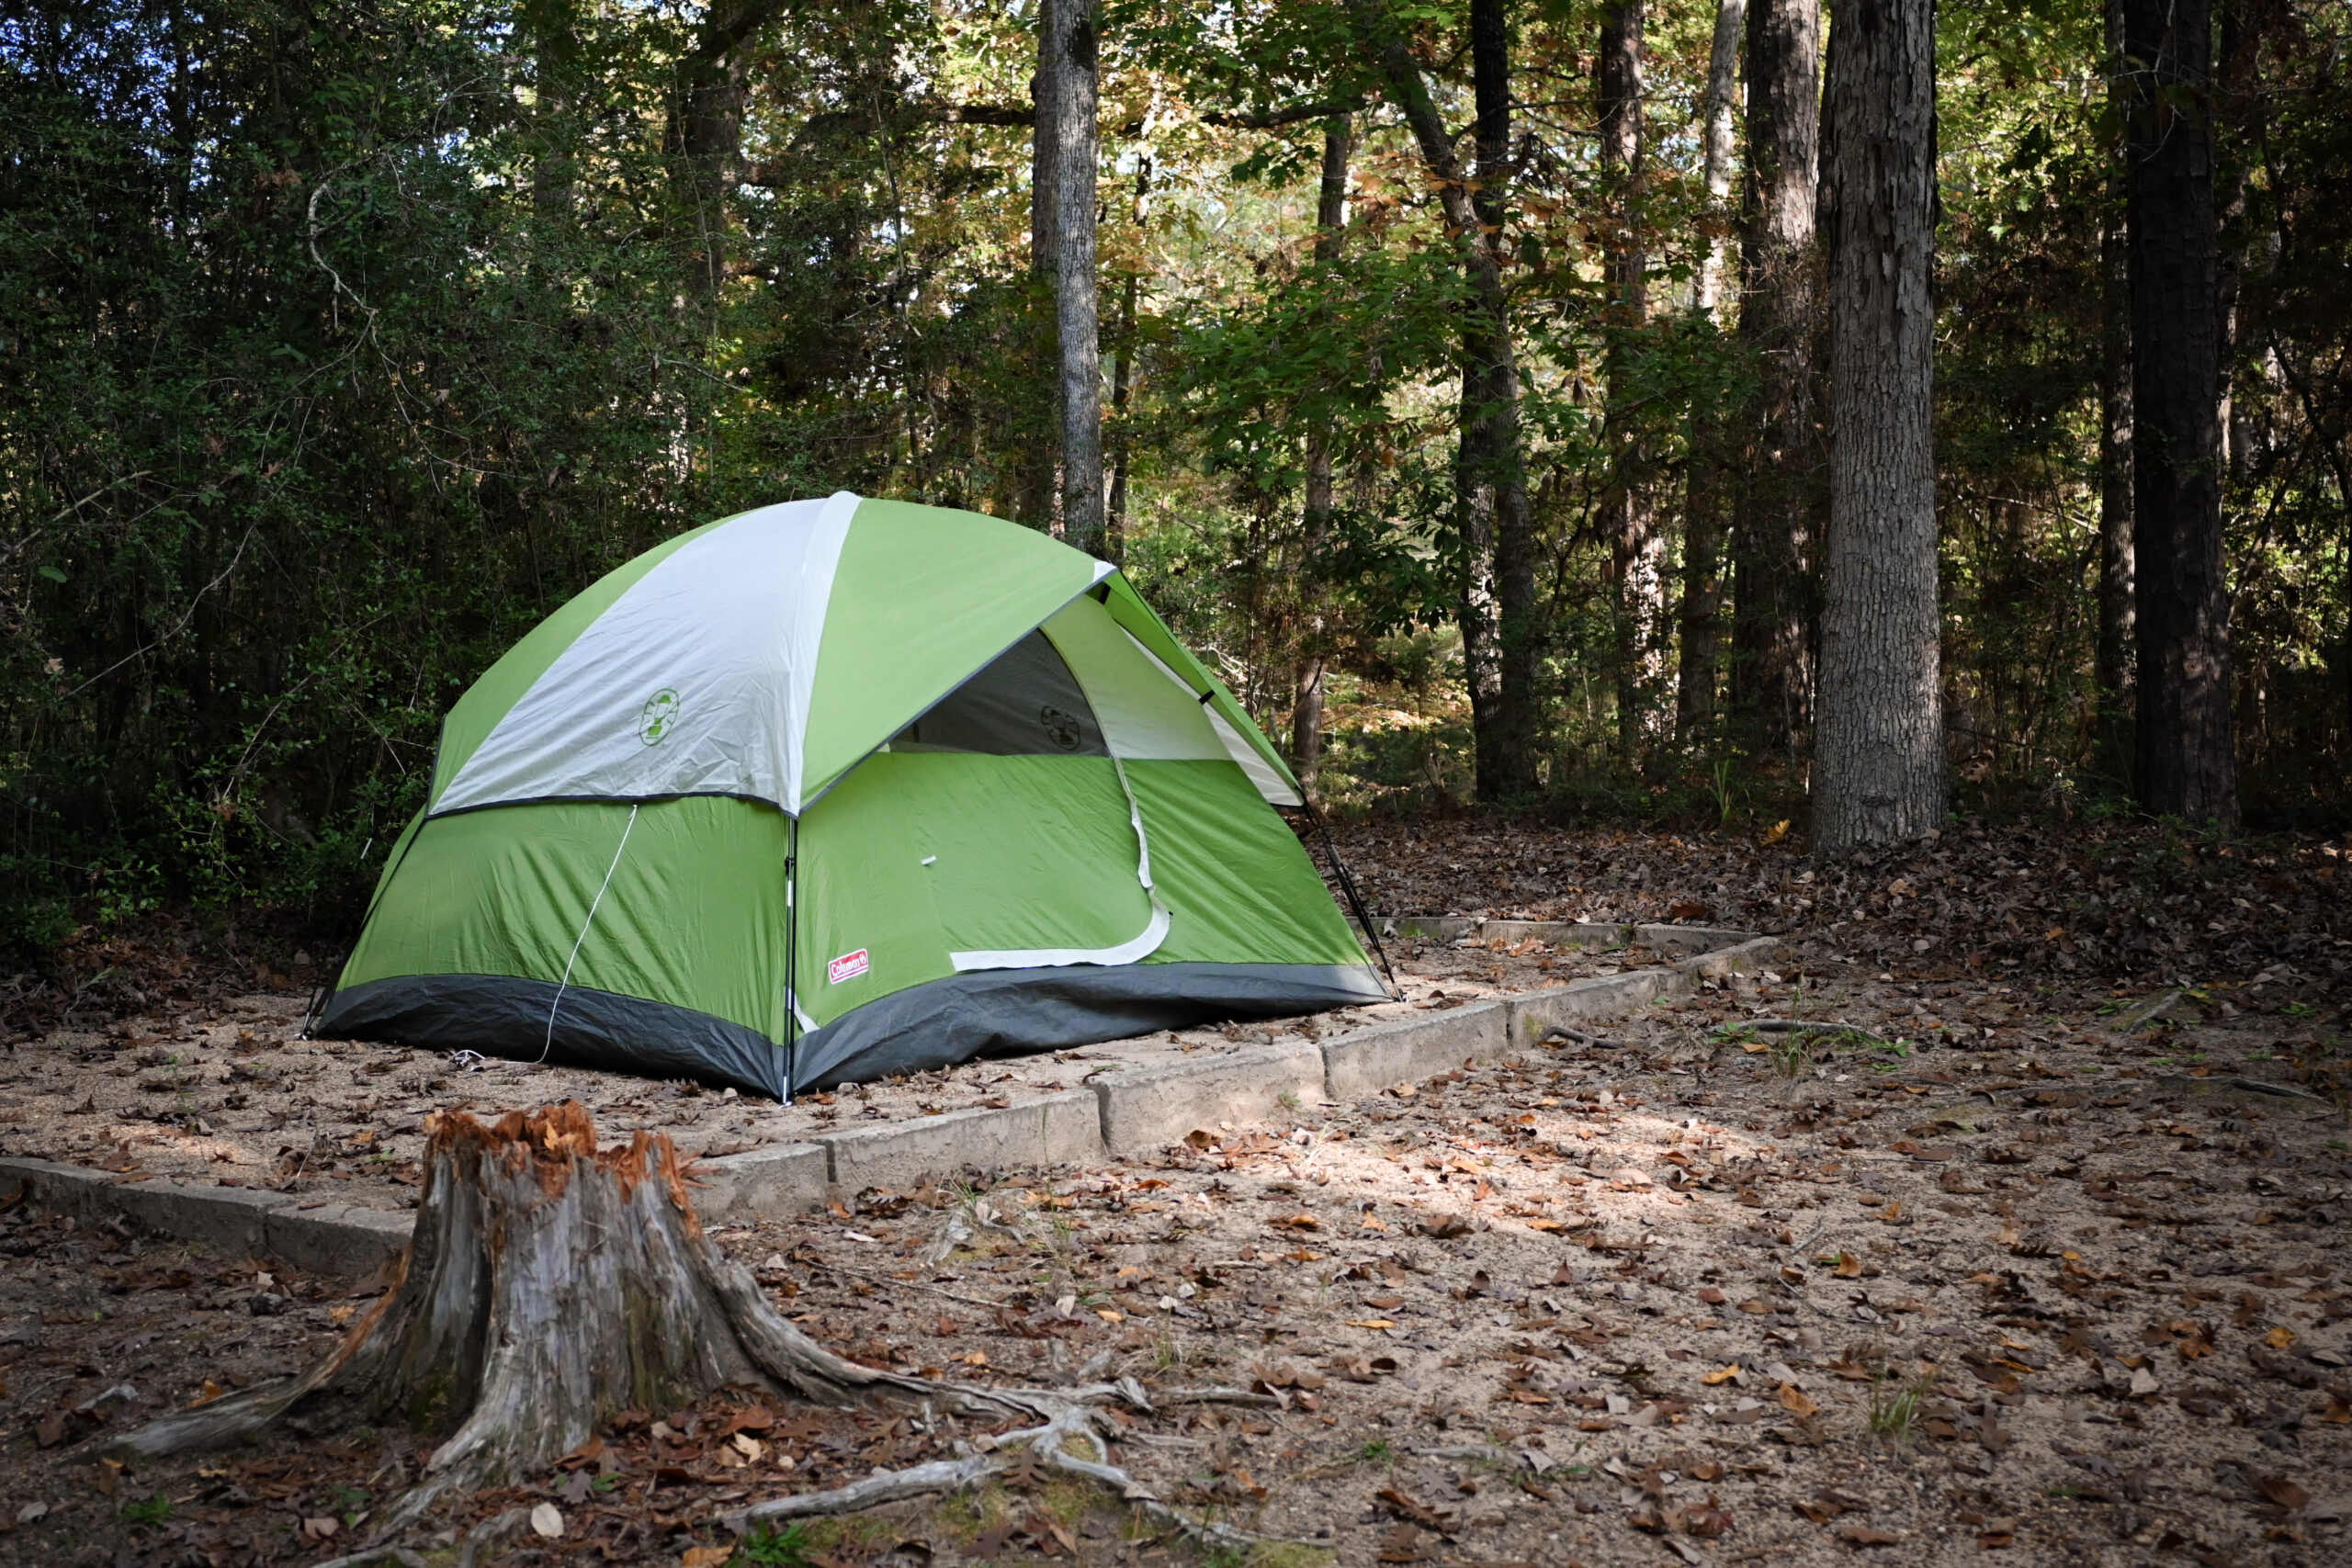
pixel 1725 792
pixel 2300 1010
pixel 1288 1100
pixel 1895 1405
pixel 1791 1053
pixel 153 1510
pixel 790 1547
pixel 1379 1450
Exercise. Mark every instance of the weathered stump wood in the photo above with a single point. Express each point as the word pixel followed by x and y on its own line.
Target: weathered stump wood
pixel 549 1285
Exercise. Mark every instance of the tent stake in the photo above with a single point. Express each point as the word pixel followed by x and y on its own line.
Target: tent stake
pixel 1348 887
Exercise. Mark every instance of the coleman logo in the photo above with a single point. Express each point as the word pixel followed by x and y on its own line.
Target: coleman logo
pixel 848 966
pixel 661 715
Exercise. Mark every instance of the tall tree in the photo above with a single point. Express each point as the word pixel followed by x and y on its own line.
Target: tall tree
pixel 1076 317
pixel 1123 382
pixel 1878 775
pixel 706 135
pixel 1307 707
pixel 2185 760
pixel 1701 630
pixel 1497 607
pixel 1637 551
pixel 1723 80
pixel 1773 530
pixel 2111 659
pixel 1039 463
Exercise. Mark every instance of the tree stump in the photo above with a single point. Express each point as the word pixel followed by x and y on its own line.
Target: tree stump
pixel 548 1286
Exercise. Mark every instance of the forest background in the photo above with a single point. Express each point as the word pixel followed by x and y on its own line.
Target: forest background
pixel 340 343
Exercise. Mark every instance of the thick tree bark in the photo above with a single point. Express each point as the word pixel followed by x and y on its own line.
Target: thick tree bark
pixel 1723 79
pixel 1307 706
pixel 1075 314
pixel 1775 521
pixel 1878 773
pixel 552 28
pixel 1496 607
pixel 1637 550
pixel 2185 760
pixel 2112 663
pixel 1702 628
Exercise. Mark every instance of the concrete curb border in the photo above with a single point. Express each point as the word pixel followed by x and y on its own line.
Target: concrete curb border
pixel 1119 1110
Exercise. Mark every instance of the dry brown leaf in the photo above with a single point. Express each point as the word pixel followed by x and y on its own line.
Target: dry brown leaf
pixel 1794 1400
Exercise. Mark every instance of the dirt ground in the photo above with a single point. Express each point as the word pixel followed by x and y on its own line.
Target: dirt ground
pixel 2046 1268
pixel 229 1093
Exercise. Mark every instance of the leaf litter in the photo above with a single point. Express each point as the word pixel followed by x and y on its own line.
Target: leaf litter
pixel 2036 1271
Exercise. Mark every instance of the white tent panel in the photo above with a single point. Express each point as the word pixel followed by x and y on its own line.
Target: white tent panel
pixel 696 681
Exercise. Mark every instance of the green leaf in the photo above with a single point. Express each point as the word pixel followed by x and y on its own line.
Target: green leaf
pixel 52 573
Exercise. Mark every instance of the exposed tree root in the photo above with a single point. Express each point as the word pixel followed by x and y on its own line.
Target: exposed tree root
pixel 1802 1026
pixel 550 1285
pixel 1052 1442
pixel 1577 1036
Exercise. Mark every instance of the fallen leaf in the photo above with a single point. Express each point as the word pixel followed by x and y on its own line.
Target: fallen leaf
pixel 1723 1375
pixel 1793 1399
pixel 705 1556
pixel 2279 1338
pixel 2281 1491
pixel 547 1519
pixel 1866 1535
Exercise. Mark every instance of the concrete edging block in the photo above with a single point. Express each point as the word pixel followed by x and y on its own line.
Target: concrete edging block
pixel 1051 1128
pixel 340 1238
pixel 1412 1049
pixel 782 1179
pixel 1579 933
pixel 1738 958
pixel 1533 1012
pixel 1687 940
pixel 330 1238
pixel 1147 1106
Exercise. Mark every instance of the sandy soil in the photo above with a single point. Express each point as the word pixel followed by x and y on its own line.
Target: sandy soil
pixel 2022 1281
pixel 230 1095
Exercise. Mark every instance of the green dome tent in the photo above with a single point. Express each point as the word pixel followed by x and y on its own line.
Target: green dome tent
pixel 840 788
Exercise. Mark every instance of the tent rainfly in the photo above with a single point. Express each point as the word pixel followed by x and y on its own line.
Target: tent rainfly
pixel 836 789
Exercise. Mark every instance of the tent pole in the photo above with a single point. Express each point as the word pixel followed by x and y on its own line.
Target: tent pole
pixel 1348 886
pixel 791 959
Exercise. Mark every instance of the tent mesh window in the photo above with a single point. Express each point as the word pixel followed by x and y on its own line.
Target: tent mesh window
pixel 1025 704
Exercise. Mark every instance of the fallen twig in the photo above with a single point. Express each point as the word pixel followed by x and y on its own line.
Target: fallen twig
pixel 399 1554
pixel 1801 1026
pixel 916 1284
pixel 948 1475
pixel 1562 1031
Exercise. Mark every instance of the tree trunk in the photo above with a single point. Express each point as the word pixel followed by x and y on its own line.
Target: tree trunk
pixel 1702 628
pixel 1123 381
pixel 2185 759
pixel 707 135
pixel 1637 551
pixel 1497 605
pixel 1039 463
pixel 1774 527
pixel 1878 772
pixel 552 28
pixel 2112 665
pixel 1722 72
pixel 1076 317
pixel 1307 707
pixel 549 1285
